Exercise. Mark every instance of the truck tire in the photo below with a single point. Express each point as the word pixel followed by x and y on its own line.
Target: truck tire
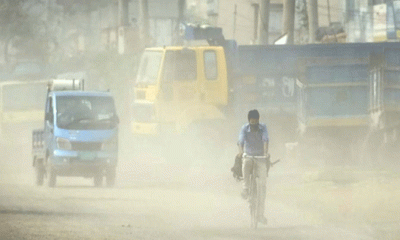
pixel 52 178
pixel 39 170
pixel 98 179
pixel 110 177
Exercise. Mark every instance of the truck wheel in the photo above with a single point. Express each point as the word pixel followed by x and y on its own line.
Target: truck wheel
pixel 39 169
pixel 52 178
pixel 98 179
pixel 110 177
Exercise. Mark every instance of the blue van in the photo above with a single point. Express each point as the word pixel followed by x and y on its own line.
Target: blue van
pixel 80 136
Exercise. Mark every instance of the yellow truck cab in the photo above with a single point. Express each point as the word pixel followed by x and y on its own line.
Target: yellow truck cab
pixel 178 86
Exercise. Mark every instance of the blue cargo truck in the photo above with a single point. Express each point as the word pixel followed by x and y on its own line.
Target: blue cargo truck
pixel 341 99
pixel 333 109
pixel 80 135
pixel 383 142
pixel 268 77
pixel 318 94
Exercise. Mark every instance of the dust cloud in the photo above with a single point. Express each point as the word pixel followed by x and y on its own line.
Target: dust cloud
pixel 182 186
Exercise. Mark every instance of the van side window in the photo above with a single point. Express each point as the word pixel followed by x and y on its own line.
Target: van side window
pixel 51 105
pixel 149 65
pixel 49 112
pixel 210 65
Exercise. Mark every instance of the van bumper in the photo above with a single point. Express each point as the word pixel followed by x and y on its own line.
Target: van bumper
pixel 77 163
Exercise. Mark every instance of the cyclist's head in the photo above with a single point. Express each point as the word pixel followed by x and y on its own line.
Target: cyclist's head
pixel 253 117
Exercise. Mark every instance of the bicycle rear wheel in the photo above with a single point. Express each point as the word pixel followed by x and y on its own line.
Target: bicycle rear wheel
pixel 253 200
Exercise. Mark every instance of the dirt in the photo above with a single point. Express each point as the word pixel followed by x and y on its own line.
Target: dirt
pixel 156 199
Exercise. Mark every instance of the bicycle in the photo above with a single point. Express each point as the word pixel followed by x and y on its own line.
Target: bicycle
pixel 254 187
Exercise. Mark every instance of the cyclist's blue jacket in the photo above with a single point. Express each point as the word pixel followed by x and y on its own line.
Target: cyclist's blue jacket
pixel 253 142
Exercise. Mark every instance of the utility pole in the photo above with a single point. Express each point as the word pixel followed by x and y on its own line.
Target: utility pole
pixel 144 23
pixel 181 9
pixel 234 21
pixel 256 7
pixel 288 20
pixel 329 12
pixel 122 23
pixel 181 20
pixel 263 27
pixel 123 13
pixel 371 20
pixel 312 19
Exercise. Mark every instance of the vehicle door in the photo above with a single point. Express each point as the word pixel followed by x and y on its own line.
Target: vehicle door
pixel 179 81
pixel 49 123
pixel 215 76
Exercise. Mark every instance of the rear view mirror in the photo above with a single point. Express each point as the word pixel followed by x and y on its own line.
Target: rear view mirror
pixel 49 117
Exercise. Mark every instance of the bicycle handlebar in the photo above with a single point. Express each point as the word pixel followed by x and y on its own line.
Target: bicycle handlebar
pixel 256 157
pixel 271 164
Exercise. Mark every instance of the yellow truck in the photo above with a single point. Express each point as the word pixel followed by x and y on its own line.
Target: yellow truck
pixel 205 92
pixel 177 87
pixel 21 109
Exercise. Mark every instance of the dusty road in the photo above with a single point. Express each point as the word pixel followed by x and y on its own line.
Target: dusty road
pixel 76 211
pixel 148 202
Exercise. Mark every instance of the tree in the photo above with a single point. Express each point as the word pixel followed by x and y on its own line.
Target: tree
pixel 14 24
pixel 302 21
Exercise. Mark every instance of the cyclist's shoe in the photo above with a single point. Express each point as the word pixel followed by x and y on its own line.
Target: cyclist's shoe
pixel 245 193
pixel 263 220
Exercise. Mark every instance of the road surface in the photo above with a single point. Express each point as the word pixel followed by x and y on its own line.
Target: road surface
pixel 151 200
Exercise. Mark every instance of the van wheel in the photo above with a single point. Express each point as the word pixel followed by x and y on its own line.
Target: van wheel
pixel 39 170
pixel 52 178
pixel 98 179
pixel 110 177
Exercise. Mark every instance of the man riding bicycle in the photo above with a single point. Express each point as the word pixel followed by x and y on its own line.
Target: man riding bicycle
pixel 253 141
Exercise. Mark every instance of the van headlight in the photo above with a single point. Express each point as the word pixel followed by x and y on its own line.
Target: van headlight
pixel 110 145
pixel 63 143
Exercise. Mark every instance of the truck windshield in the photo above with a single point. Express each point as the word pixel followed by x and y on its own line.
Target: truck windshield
pixel 149 66
pixel 85 113
pixel 24 96
pixel 180 66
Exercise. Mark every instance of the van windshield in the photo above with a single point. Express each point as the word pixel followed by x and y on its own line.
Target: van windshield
pixel 86 113
pixel 149 67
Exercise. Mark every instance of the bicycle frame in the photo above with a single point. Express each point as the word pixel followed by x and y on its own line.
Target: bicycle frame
pixel 253 199
pixel 254 186
pixel 254 190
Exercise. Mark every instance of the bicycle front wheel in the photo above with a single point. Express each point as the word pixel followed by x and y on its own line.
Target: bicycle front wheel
pixel 253 200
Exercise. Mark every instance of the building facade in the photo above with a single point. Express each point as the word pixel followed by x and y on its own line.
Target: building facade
pixel 236 17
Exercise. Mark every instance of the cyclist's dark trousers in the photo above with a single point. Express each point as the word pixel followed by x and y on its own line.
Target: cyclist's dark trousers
pixel 261 170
